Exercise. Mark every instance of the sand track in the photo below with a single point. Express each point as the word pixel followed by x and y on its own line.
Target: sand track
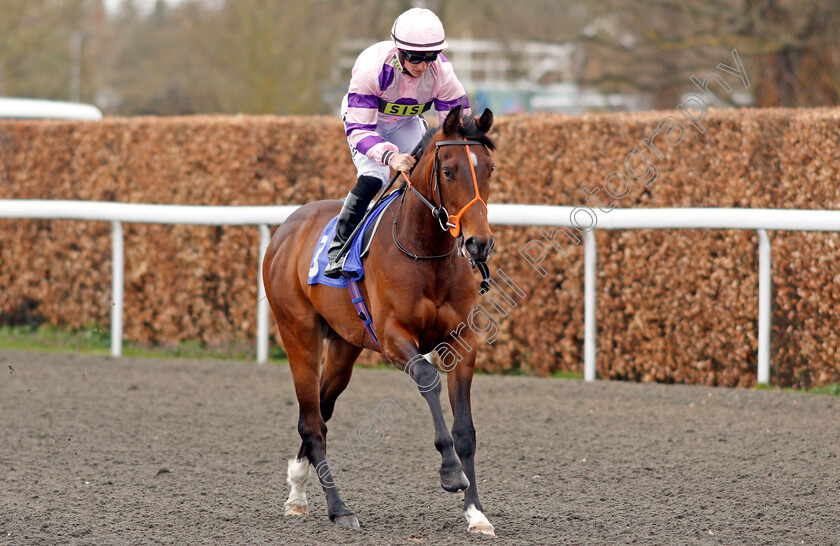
pixel 143 451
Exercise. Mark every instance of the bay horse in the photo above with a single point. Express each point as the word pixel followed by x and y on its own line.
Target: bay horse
pixel 416 304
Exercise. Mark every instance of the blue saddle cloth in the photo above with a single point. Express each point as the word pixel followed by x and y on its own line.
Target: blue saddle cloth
pixel 353 264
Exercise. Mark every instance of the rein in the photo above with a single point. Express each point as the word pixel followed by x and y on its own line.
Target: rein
pixel 397 242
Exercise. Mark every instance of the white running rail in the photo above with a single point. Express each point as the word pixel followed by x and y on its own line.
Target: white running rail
pixel 759 220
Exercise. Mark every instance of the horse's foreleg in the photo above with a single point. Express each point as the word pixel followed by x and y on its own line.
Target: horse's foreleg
pixel 400 348
pixel 459 382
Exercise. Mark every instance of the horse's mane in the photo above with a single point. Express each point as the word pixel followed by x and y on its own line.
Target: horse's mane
pixel 467 129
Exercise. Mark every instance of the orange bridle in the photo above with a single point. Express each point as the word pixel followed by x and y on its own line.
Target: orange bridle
pixel 450 222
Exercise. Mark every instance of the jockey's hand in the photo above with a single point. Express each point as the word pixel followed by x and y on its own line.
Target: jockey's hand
pixel 402 162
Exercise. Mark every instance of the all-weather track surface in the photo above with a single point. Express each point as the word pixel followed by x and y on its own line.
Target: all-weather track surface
pixel 142 451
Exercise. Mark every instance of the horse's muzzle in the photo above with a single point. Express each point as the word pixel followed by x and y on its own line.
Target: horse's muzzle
pixel 479 250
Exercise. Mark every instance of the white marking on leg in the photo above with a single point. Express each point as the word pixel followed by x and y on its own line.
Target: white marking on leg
pixel 478 522
pixel 298 476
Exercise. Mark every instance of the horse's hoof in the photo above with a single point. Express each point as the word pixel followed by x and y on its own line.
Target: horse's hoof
pixel 477 522
pixel 483 528
pixel 296 508
pixel 348 521
pixel 454 482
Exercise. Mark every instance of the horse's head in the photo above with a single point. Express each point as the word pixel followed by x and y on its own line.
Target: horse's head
pixel 459 179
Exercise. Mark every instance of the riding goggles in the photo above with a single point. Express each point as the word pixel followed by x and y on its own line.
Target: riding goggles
pixel 417 57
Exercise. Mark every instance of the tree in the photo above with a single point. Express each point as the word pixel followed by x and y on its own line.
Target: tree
pixel 270 56
pixel 790 47
pixel 45 50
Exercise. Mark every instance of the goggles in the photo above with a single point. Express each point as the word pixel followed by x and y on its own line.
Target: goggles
pixel 417 57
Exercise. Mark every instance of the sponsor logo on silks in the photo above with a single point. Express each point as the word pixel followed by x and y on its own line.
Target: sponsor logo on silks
pixel 394 109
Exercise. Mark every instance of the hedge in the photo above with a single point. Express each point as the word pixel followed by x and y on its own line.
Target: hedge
pixel 673 305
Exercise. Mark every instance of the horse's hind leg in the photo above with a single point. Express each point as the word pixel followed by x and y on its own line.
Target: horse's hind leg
pixel 303 340
pixel 302 359
pixel 297 477
pixel 338 367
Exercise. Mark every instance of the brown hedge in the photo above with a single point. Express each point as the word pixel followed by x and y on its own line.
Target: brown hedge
pixel 673 305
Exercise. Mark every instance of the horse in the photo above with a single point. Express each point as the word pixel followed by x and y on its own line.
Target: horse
pixel 419 285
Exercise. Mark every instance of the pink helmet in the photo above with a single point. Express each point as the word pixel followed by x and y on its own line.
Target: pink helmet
pixel 418 29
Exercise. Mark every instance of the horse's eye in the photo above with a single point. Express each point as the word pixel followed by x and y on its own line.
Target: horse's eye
pixel 447 172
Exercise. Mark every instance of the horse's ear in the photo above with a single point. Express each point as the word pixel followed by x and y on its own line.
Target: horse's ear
pixel 485 122
pixel 452 121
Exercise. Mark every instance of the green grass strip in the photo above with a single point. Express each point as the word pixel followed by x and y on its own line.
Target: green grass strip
pixel 95 340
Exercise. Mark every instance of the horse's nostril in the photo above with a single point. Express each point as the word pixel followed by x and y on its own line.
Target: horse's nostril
pixel 479 250
pixel 472 246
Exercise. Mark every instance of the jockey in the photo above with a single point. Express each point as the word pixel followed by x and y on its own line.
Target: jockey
pixel 392 84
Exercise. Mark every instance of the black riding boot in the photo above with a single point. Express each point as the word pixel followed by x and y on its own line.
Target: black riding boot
pixel 352 211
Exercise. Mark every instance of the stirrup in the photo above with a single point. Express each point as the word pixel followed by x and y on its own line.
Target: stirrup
pixel 334 267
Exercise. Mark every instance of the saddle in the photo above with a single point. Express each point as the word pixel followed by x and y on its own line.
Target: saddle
pixel 359 247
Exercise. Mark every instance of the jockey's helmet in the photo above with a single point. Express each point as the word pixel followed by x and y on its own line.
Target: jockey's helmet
pixel 418 29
